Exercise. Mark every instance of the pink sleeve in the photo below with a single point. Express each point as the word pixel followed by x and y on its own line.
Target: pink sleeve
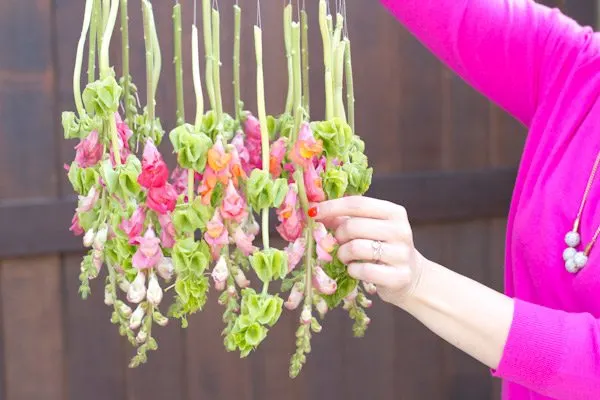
pixel 510 50
pixel 554 353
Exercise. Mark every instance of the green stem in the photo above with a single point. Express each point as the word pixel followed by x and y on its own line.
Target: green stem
pixel 105 14
pixel 325 33
pixel 305 63
pixel 125 57
pixel 349 85
pixel 92 45
pixel 149 59
pixel 197 80
pixel 339 81
pixel 206 24
pixel 216 49
pixel 299 179
pixel 110 26
pixel 337 34
pixel 297 74
pixel 98 9
pixel 156 54
pixel 79 58
pixel 190 187
pixel 287 36
pixel 237 12
pixel 178 64
pixel 262 117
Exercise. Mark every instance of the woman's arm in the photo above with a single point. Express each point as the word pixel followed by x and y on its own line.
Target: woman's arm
pixel 554 353
pixel 510 50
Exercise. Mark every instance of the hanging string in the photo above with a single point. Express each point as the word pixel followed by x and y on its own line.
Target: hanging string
pixel 345 15
pixel 215 5
pixel 195 11
pixel 304 5
pixel 258 16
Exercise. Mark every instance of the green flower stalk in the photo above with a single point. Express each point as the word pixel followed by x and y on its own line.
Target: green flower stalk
pixel 92 44
pixel 178 61
pixel 89 4
pixel 207 29
pixel 128 102
pixel 237 97
pixel 339 111
pixel 349 85
pixel 305 62
pixel 197 80
pixel 216 53
pixel 297 75
pixel 156 54
pixel 327 59
pixel 287 37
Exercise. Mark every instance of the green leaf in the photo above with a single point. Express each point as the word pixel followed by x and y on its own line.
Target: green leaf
pixel 335 183
pixel 82 179
pixel 217 195
pixel 336 136
pixel 109 175
pixel 260 189
pixel 70 125
pixel 102 97
pixel 255 334
pixel 269 264
pixel 191 147
pixel 271 310
pixel 280 189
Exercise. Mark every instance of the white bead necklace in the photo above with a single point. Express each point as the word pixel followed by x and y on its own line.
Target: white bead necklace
pixel 575 259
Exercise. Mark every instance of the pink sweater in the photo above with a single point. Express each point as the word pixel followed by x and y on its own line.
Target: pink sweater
pixel 544 69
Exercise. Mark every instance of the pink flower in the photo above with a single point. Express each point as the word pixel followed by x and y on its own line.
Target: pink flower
pixel 162 199
pixel 313 184
pixel 278 149
pixel 294 252
pixel 87 203
pixel 220 273
pixel 306 147
pixel 320 164
pixel 236 168
pixel 180 183
pixel 252 128
pixel 124 133
pixel 244 156
pixel 75 226
pixel 233 207
pixel 306 315
pixel 325 242
pixel 154 170
pixel 253 141
pixel 322 282
pixel 240 279
pixel 216 235
pixel 167 230
pixel 322 307
pixel 148 254
pixel 133 226
pixel 290 216
pixel 295 297
pixel 165 268
pixel 243 241
pixel 89 150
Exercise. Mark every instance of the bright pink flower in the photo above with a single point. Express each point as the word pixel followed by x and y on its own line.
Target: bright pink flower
pixel 252 128
pixel 162 199
pixel 179 177
pixel 87 203
pixel 294 252
pixel 295 297
pixel 325 242
pixel 216 235
pixel 320 164
pixel 253 141
pixel 234 207
pixel 148 254
pixel 238 143
pixel 154 170
pixel 167 230
pixel 290 217
pixel 278 149
pixel 243 241
pixel 322 282
pixel 134 225
pixel 89 150
pixel 220 273
pixel 313 184
pixel 75 226
pixel 306 147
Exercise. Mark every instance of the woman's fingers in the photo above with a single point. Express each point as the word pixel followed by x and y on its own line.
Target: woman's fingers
pixel 372 251
pixel 358 206
pixel 380 275
pixel 334 222
pixel 372 229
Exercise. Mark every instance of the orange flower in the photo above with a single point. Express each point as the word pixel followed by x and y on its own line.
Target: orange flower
pixel 218 159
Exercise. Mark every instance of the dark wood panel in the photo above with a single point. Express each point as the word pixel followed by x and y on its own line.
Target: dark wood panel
pixel 427 196
pixel 90 339
pixel 32 329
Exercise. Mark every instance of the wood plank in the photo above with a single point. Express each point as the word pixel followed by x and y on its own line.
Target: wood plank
pixel 32 329
pixel 95 365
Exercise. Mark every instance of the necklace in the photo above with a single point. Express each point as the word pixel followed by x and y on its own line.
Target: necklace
pixel 575 260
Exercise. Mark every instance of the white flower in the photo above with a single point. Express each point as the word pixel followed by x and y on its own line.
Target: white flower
pixel 370 288
pixel 220 273
pixel 306 315
pixel 88 238
pixel 108 297
pixel 160 319
pixel 136 318
pixel 141 336
pixel 155 293
pixel 165 268
pixel 137 289
pixel 322 307
pixel 240 279
pixel 125 310
pixel 100 238
pixel 124 285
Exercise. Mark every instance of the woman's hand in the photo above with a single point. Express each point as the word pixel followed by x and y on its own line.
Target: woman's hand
pixel 376 243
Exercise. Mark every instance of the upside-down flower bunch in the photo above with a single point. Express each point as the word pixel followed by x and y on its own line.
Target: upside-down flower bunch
pixel 153 230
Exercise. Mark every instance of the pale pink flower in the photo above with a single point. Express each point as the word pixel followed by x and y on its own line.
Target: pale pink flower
pixel 244 156
pixel 216 235
pixel 220 273
pixel 322 282
pixel 234 207
pixel 149 253
pixel 137 289
pixel 306 147
pixel 322 307
pixel 306 315
pixel 165 268
pixel 136 318
pixel 295 252
pixel 155 293
pixel 325 242
pixel 290 217
pixel 241 279
pixel 134 225
pixel 87 203
pixel 295 297
pixel 75 226
pixel 167 230
pixel 243 241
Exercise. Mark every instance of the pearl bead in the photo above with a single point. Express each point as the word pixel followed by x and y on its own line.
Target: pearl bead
pixel 570 266
pixel 569 253
pixel 580 259
pixel 572 239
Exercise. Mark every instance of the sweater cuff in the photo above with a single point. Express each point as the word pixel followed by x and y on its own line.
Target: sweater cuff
pixel 534 348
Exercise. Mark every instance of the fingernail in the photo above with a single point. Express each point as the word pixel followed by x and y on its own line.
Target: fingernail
pixel 313 211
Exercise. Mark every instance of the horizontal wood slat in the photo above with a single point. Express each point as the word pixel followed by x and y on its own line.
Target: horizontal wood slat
pixel 40 226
